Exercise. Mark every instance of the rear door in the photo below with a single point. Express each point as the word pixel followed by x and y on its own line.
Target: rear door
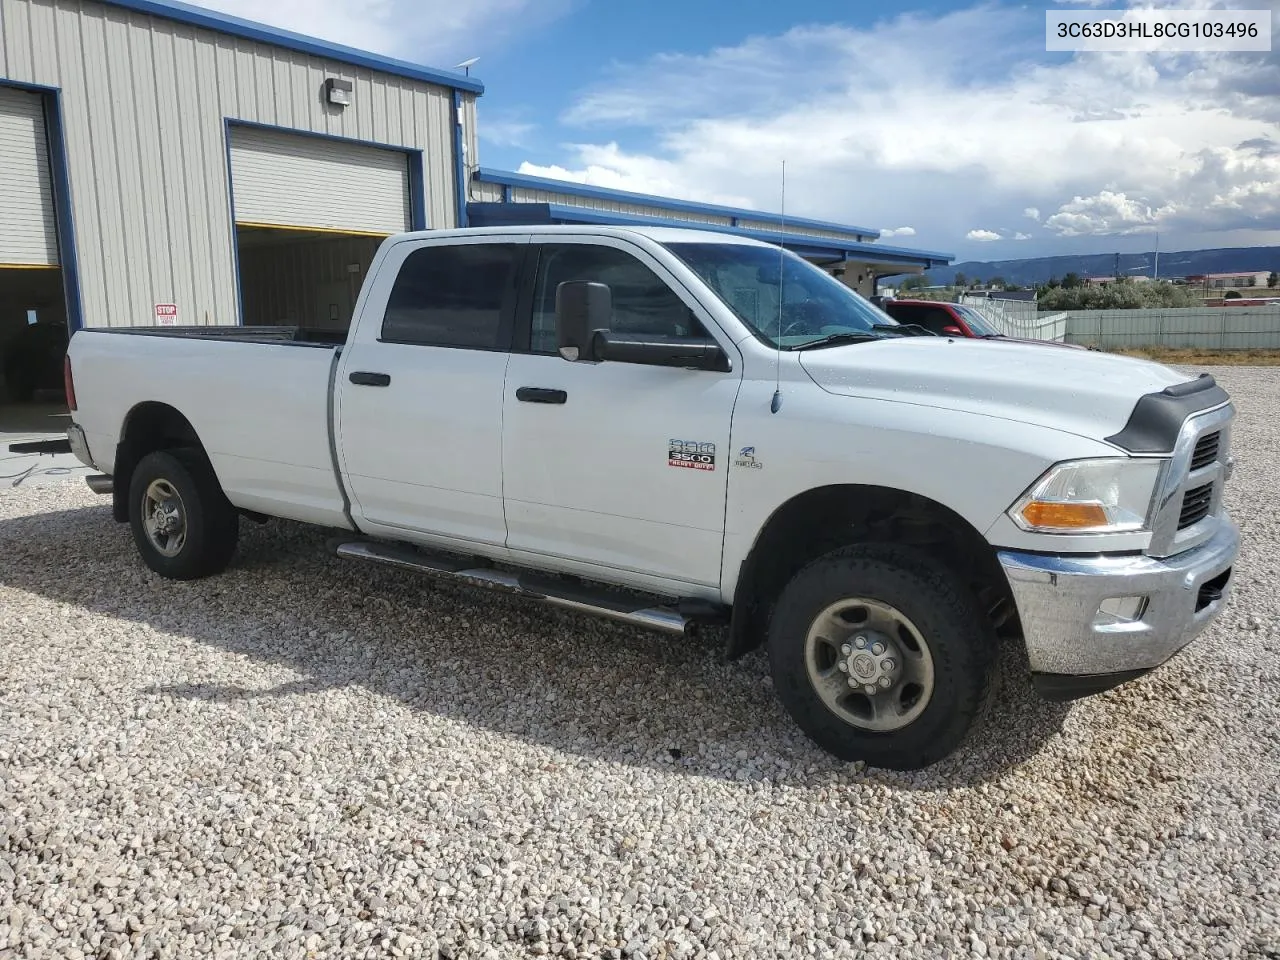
pixel 420 391
pixel 615 468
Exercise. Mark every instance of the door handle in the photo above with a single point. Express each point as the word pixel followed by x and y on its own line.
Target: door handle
pixel 541 395
pixel 365 379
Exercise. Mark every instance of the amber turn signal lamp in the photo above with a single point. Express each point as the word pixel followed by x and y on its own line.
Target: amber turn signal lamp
pixel 1064 516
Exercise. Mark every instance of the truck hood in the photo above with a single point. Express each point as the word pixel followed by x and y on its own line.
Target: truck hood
pixel 1084 392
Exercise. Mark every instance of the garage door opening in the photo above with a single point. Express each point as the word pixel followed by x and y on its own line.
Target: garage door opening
pixel 301 278
pixel 33 305
pixel 33 334
pixel 310 212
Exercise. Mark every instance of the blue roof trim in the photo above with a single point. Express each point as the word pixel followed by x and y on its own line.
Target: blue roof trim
pixel 533 214
pixel 251 30
pixel 507 178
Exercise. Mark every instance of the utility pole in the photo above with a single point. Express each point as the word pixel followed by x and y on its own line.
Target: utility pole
pixel 1156 275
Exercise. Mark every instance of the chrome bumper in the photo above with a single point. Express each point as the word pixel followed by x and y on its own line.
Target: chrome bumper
pixel 1058 599
pixel 79 445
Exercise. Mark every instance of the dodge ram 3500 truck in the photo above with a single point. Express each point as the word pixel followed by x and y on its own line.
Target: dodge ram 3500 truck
pixel 671 427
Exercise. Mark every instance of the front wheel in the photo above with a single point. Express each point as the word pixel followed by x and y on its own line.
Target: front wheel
pixel 882 655
pixel 182 523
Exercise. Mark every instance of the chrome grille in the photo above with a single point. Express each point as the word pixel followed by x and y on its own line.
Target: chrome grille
pixel 1206 451
pixel 1195 505
pixel 1190 493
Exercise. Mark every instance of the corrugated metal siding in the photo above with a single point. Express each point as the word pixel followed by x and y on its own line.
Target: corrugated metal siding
pixel 293 180
pixel 798 231
pixel 293 283
pixel 482 191
pixel 28 233
pixel 143 103
pixel 525 195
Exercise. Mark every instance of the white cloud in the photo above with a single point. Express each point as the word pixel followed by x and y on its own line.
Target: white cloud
pixel 505 133
pixel 898 232
pixel 1021 236
pixel 608 166
pixel 855 112
pixel 983 236
pixel 437 33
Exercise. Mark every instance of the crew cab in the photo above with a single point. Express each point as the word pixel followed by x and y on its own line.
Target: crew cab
pixel 946 319
pixel 677 428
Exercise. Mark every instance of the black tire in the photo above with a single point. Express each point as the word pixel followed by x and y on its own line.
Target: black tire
pixel 212 525
pixel 961 643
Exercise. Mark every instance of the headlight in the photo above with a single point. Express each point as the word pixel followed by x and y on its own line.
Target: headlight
pixel 1090 496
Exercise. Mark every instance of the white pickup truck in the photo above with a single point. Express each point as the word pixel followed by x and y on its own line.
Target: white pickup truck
pixel 673 427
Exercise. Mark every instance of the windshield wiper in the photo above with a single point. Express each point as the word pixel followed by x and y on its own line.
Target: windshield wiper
pixel 836 339
pixel 898 327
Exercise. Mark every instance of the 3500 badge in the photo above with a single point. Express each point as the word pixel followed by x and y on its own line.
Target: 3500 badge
pixel 691 454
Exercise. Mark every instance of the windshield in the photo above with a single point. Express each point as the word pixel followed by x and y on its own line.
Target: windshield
pixel 815 305
pixel 977 320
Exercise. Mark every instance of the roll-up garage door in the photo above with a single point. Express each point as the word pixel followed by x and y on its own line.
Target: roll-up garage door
pixel 282 179
pixel 28 230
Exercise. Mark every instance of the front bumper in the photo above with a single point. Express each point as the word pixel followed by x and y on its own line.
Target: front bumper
pixel 1074 651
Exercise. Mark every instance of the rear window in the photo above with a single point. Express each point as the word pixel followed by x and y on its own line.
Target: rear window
pixel 454 296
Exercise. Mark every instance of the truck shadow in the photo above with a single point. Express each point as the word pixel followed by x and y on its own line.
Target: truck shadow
pixel 572 683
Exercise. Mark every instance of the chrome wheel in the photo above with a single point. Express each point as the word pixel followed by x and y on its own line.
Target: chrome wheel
pixel 164 518
pixel 869 664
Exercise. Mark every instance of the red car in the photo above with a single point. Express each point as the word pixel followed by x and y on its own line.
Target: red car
pixel 953 320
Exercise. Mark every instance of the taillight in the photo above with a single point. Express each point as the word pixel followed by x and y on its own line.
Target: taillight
pixel 68 383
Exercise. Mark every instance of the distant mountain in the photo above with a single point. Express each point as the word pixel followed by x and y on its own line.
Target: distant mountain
pixel 1180 263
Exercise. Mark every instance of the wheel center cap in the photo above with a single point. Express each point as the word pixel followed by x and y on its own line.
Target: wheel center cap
pixel 864 666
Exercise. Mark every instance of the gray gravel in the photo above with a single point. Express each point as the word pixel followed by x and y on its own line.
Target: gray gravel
pixel 306 757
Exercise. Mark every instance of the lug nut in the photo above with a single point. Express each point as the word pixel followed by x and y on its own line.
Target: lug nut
pixel 888 664
pixel 844 667
pixel 877 649
pixel 884 682
pixel 853 682
pixel 871 689
pixel 860 642
pixel 846 649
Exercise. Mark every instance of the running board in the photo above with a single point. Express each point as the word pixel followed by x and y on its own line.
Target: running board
pixel 570 596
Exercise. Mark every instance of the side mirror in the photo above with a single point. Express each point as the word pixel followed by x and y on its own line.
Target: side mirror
pixel 953 331
pixel 582 308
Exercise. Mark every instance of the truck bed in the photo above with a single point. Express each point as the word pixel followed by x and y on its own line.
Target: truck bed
pixel 257 397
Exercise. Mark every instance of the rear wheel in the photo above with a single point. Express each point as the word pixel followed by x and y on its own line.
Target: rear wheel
pixel 882 655
pixel 182 523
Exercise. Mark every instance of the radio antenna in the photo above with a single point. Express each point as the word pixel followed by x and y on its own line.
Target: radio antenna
pixel 776 403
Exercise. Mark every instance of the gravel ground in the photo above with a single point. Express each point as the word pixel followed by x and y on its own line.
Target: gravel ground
pixel 306 757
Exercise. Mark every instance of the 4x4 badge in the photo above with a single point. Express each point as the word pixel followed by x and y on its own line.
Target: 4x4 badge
pixel 747 459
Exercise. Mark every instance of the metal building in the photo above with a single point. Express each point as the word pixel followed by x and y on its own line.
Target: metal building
pixel 165 164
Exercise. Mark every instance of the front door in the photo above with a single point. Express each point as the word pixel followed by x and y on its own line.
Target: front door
pixel 419 392
pixel 611 466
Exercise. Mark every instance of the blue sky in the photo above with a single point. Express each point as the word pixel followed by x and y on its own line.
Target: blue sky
pixel 945 124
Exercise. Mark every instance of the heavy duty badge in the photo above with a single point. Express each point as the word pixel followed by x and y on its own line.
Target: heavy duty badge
pixel 691 454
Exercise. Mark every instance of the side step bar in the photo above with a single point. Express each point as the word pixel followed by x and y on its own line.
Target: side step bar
pixel 100 483
pixel 571 596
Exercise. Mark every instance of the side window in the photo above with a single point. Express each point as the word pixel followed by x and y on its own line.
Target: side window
pixel 905 313
pixel 935 318
pixel 453 296
pixel 642 302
